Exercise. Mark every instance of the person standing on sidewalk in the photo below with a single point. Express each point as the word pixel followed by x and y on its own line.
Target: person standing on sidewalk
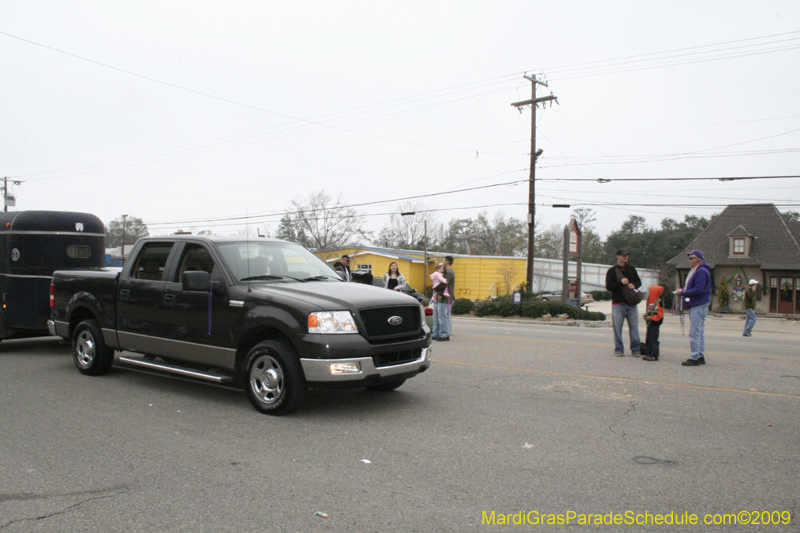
pixel 750 308
pixel 441 310
pixel 695 295
pixel 620 275
pixel 653 317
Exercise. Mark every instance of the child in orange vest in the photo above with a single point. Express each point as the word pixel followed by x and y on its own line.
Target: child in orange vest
pixel 654 318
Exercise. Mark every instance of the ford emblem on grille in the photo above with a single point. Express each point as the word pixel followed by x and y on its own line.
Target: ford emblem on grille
pixel 395 320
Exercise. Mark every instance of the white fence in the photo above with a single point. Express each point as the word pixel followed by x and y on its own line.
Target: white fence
pixel 548 274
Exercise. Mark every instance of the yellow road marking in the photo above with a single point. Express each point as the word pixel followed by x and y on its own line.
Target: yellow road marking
pixel 606 346
pixel 630 380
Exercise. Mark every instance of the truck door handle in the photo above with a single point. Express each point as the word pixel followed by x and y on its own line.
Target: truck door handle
pixel 169 300
pixel 124 295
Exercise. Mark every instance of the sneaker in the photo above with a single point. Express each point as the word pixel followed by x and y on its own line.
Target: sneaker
pixel 747 335
pixel 618 354
pixel 649 358
pixel 694 362
pixel 637 354
pixel 443 338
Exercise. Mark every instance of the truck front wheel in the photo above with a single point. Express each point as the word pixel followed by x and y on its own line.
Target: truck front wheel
pixel 89 350
pixel 275 381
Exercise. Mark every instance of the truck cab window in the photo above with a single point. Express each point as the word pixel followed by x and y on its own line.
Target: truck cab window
pixel 151 261
pixel 195 258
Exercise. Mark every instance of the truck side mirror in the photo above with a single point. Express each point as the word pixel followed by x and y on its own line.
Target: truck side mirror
pixel 196 280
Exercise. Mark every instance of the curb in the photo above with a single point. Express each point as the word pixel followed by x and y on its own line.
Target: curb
pixel 542 322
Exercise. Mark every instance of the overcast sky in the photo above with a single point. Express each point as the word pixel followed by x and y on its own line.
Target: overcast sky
pixel 195 115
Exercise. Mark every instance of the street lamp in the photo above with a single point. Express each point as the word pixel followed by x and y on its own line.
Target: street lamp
pixel 124 217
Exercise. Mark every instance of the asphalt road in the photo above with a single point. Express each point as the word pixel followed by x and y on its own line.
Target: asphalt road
pixel 511 418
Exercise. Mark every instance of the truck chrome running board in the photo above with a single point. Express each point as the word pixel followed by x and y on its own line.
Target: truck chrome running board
pixel 174 369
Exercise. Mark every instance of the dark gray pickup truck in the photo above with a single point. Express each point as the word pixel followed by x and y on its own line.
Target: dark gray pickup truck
pixel 263 311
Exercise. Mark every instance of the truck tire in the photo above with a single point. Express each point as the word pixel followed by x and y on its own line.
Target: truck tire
pixel 386 387
pixel 89 350
pixel 275 381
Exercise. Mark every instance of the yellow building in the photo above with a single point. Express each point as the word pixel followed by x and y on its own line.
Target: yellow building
pixel 477 277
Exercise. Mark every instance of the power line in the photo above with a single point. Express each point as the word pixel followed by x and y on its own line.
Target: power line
pixel 722 178
pixel 348 206
pixel 414 98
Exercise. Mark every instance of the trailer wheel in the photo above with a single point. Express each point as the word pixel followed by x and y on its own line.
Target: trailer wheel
pixel 89 350
pixel 275 381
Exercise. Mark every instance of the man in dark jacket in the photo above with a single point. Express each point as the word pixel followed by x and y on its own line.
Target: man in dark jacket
pixel 695 295
pixel 344 268
pixel 620 275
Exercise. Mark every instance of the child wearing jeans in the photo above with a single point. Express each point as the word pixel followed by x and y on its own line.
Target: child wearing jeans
pixel 654 317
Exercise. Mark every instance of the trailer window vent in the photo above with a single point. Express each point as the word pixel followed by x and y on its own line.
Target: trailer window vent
pixel 79 252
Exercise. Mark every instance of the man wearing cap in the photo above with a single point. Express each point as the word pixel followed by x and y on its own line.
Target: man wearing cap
pixel 695 296
pixel 750 307
pixel 620 275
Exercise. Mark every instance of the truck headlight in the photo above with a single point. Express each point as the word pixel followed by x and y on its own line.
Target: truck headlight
pixel 331 322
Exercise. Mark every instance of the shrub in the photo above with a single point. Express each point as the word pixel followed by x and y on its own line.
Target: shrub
pixel 723 295
pixel 462 306
pixel 531 308
pixel 601 295
pixel 486 308
pixel 666 297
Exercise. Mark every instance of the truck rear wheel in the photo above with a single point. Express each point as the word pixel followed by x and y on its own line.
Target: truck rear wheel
pixel 89 350
pixel 275 381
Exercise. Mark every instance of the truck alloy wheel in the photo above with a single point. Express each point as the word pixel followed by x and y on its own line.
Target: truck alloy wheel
pixel 275 382
pixel 89 350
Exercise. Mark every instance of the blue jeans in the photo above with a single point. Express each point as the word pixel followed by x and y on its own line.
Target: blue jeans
pixel 441 320
pixel 697 333
pixel 750 321
pixel 619 314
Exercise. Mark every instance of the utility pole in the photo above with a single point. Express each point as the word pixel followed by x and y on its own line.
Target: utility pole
pixel 124 218
pixel 534 102
pixel 8 200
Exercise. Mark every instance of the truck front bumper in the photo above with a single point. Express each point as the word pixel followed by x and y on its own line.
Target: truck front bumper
pixel 360 371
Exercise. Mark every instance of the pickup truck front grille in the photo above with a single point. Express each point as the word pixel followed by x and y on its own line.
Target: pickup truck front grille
pixel 396 358
pixel 383 323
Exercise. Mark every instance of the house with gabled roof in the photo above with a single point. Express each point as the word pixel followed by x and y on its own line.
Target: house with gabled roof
pixel 751 241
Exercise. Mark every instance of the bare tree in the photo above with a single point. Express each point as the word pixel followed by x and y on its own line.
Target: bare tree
pixel 498 235
pixel 408 231
pixel 508 271
pixel 327 223
pixel 550 243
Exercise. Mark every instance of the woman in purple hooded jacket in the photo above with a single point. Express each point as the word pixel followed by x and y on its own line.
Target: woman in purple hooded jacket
pixel 695 296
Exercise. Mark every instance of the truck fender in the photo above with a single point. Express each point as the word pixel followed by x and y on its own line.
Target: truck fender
pixel 264 323
pixel 84 301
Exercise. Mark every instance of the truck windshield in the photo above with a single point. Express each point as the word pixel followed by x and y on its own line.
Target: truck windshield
pixel 274 262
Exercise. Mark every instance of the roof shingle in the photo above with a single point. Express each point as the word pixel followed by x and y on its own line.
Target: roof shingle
pixel 774 246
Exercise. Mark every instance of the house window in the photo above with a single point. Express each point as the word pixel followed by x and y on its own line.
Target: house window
pixel 368 268
pixel 738 246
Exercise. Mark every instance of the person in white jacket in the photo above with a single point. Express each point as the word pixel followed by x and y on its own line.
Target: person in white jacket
pixel 393 279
